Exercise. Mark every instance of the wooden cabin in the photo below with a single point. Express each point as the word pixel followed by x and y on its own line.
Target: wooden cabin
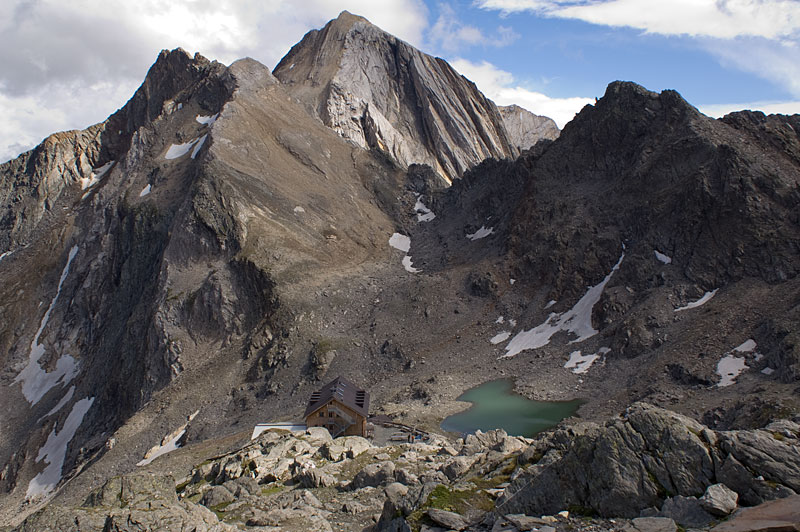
pixel 339 406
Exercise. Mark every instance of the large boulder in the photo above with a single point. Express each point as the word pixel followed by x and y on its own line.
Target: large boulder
pixel 719 500
pixel 373 475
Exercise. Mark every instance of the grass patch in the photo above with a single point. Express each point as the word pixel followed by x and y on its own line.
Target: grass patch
pixel 458 501
pixel 220 509
pixel 271 490
pixel 581 511
pixel 182 486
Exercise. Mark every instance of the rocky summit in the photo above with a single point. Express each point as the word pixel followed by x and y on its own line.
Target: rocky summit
pixel 232 239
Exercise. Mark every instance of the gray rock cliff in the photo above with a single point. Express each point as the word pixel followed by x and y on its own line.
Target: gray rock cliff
pixel 382 93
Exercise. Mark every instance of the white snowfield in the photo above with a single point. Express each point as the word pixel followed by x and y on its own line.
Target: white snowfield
pixel 198 145
pixel 179 150
pixel 206 120
pixel 747 347
pixel 580 364
pixel 483 232
pixel 36 381
pixel 168 444
pixel 64 400
pixel 577 321
pixel 500 337
pixel 702 301
pixel 54 451
pixel 661 257
pixel 730 366
pixel 424 214
pixel 96 175
pixel 403 243
pixel 145 191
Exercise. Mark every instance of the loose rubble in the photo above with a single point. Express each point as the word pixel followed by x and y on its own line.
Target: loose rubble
pixel 651 470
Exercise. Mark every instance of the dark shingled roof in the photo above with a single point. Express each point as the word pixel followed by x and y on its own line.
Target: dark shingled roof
pixel 343 391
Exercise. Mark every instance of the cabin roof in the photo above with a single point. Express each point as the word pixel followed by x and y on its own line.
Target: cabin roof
pixel 341 390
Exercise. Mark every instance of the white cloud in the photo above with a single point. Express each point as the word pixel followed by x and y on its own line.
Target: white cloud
pixel 776 61
pixel 67 65
pixel 725 19
pixel 450 34
pixel 500 86
pixel 761 37
pixel 783 108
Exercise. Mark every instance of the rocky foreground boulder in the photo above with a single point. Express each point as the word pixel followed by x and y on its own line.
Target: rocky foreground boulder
pixel 646 458
pixel 655 467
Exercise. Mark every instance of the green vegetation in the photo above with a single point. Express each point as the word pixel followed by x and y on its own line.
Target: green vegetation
pixel 272 489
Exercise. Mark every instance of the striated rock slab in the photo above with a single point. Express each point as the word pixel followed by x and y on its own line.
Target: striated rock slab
pixel 382 93
pixel 524 128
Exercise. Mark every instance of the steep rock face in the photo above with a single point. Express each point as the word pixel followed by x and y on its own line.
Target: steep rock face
pixel 169 262
pixel 525 128
pixel 650 170
pixel 31 184
pixel 382 93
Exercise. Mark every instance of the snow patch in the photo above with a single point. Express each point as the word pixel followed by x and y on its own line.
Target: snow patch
pixel 577 320
pixel 512 281
pixel 728 368
pixel 54 451
pixel 747 347
pixel 169 443
pixel 179 150
pixel 64 400
pixel 407 264
pixel 550 304
pixel 96 175
pixel 501 319
pixel 424 214
pixel 299 209
pixel 513 323
pixel 663 258
pixel 767 371
pixel 4 255
pixel 199 145
pixel 500 337
pixel 580 364
pixel 36 382
pixel 145 191
pixel 206 120
pixel 703 300
pixel 401 242
pixel 481 233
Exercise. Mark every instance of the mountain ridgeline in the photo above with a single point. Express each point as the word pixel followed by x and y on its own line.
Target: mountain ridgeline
pixel 221 245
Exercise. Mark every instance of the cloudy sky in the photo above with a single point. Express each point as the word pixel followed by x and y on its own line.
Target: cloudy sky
pixel 67 65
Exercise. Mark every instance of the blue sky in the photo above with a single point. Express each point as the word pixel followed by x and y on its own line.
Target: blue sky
pixel 68 65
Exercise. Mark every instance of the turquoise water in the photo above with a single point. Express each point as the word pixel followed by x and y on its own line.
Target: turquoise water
pixel 495 406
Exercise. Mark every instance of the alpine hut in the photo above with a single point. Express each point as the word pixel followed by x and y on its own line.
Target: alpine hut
pixel 339 406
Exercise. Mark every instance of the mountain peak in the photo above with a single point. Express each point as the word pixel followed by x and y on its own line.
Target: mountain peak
pixel 381 93
pixel 347 19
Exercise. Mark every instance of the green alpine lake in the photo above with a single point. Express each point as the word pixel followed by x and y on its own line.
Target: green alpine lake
pixel 495 406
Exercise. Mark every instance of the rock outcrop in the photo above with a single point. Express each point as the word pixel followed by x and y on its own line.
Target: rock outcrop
pixel 524 128
pixel 382 93
pixel 127 504
pixel 654 458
